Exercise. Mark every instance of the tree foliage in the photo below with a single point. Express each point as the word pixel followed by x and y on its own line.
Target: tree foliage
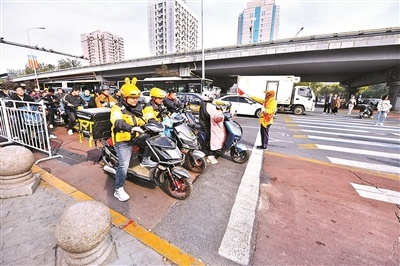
pixel 322 89
pixel 62 64
pixel 165 72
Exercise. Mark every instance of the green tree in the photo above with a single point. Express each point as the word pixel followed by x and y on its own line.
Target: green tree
pixel 165 72
pixel 63 64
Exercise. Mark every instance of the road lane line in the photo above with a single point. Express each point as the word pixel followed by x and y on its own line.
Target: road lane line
pixel 351 168
pixel 360 142
pixel 351 135
pixel 375 193
pixel 334 128
pixel 359 151
pixel 236 243
pixel 369 166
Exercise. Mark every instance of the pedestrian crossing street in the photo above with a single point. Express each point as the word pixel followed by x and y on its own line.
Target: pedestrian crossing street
pixel 348 140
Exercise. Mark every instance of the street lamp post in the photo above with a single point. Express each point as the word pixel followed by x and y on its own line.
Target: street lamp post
pixel 299 31
pixel 29 41
pixel 203 70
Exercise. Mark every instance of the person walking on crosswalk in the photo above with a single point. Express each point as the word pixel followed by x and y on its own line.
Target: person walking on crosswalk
pixel 384 107
pixel 350 104
pixel 328 103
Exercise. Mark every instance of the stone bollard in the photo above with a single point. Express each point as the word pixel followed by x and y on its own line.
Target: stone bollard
pixel 83 234
pixel 16 177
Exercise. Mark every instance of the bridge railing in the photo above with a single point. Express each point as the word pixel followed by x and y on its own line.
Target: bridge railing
pixel 25 123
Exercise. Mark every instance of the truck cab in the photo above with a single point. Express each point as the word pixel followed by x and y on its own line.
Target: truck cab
pixel 296 99
pixel 303 100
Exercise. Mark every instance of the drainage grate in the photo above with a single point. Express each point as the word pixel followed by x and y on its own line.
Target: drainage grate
pixel 71 158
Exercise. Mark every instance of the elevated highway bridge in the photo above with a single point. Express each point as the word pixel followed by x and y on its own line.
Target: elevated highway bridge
pixel 354 59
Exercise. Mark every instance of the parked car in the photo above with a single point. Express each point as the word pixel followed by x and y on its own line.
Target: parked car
pixel 194 99
pixel 144 97
pixel 242 105
pixel 367 101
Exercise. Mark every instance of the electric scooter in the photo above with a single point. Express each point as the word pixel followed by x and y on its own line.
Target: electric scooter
pixel 172 179
pixel 177 129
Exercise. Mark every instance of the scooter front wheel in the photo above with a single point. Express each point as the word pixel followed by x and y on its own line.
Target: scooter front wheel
pixel 239 156
pixel 195 165
pixel 178 188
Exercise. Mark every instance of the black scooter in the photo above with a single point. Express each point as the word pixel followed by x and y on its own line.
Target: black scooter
pixel 366 111
pixel 177 129
pixel 172 179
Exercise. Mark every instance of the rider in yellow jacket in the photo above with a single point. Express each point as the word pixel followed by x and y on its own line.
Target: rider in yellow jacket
pixel 267 116
pixel 153 108
pixel 126 119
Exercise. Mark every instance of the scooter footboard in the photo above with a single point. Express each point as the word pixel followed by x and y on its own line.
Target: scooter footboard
pixel 180 172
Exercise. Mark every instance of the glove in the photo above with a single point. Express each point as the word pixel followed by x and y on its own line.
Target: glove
pixel 137 129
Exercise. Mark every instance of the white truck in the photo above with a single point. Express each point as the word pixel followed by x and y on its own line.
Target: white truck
pixel 296 99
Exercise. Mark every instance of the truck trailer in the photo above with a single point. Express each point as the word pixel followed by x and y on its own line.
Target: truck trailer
pixel 296 99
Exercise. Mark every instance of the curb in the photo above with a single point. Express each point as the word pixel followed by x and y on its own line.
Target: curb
pixel 143 235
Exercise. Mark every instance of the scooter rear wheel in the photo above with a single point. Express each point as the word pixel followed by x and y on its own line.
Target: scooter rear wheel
pixel 180 188
pixel 196 166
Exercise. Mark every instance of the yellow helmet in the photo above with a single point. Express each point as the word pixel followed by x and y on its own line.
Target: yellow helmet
pixel 129 89
pixel 157 92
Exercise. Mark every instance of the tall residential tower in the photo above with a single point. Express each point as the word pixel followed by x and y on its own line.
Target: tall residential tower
pixel 172 26
pixel 102 47
pixel 259 22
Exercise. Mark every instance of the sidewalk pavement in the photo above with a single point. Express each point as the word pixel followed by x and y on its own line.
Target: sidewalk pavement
pixel 28 223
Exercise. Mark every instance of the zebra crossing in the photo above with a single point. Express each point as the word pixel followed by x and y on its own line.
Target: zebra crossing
pixel 348 140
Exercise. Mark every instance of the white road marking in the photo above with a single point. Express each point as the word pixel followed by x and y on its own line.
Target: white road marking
pixel 336 128
pixel 359 142
pixel 359 151
pixel 368 166
pixel 236 243
pixel 381 194
pixel 352 135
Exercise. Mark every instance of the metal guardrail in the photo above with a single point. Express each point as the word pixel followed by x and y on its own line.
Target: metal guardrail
pixel 25 123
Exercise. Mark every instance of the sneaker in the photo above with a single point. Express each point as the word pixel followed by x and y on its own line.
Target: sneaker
pixel 51 126
pixel 211 159
pixel 121 195
pixel 70 132
pixel 147 162
pixel 52 136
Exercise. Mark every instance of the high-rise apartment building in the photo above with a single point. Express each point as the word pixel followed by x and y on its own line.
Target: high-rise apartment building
pixel 172 26
pixel 102 47
pixel 259 22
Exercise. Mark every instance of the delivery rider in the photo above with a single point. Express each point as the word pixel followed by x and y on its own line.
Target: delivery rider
pixel 126 119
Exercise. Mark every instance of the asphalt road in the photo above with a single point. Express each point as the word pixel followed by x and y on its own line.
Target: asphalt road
pixel 197 225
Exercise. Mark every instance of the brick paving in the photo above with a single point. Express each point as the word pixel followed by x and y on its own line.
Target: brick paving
pixel 28 224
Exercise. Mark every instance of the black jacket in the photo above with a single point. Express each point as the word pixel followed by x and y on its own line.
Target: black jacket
pixel 51 101
pixel 15 97
pixel 172 105
pixel 73 102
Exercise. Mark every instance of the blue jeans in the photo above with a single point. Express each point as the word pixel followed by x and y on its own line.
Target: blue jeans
pixel 380 117
pixel 124 152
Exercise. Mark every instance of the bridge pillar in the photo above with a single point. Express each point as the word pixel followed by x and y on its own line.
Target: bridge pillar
pixel 394 89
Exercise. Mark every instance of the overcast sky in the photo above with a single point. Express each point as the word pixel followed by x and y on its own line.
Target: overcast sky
pixel 65 21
